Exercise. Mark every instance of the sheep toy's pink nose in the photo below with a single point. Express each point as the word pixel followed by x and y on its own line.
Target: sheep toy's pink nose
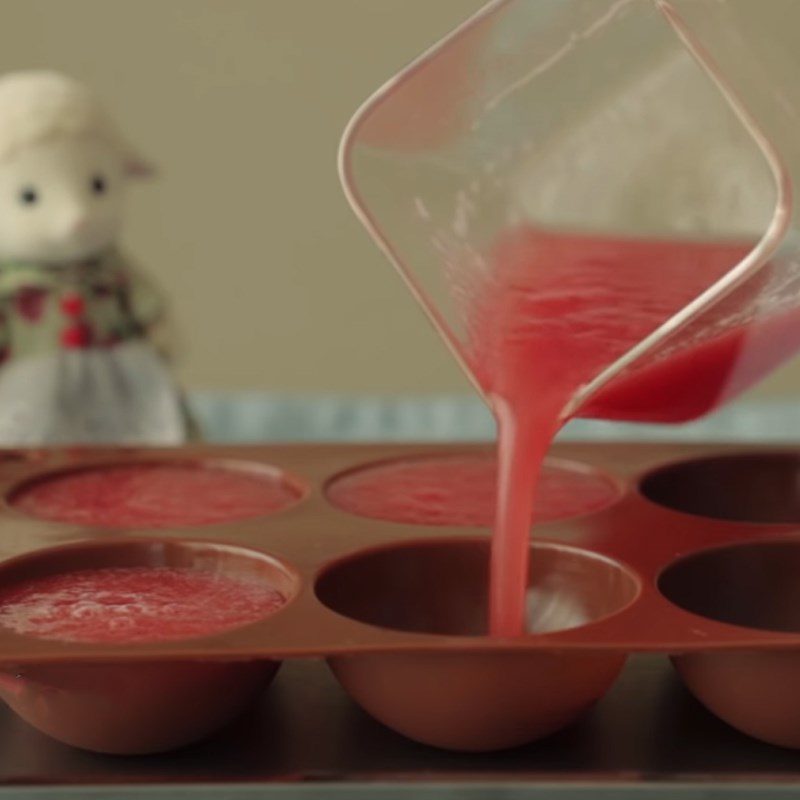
pixel 79 224
pixel 71 226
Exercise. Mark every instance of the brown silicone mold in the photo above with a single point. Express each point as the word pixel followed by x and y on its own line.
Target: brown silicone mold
pixel 439 587
pixel 152 706
pixel 695 556
pixel 751 585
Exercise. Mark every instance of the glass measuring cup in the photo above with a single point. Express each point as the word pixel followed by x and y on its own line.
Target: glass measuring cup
pixel 587 163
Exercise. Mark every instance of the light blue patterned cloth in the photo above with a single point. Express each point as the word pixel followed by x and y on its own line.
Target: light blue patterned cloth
pixel 273 417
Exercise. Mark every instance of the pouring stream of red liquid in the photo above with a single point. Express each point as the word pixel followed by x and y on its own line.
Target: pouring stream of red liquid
pixel 554 310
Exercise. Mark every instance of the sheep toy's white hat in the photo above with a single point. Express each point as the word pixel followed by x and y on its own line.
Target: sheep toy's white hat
pixel 39 105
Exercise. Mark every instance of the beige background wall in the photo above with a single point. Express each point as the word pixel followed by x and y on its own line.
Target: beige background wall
pixel 274 285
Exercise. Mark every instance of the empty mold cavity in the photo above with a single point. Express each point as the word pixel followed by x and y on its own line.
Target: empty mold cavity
pixel 461 491
pixel 440 587
pixel 757 487
pixel 140 591
pixel 752 585
pixel 474 700
pixel 158 494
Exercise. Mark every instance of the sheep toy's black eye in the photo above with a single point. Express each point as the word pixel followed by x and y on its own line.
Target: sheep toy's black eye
pixel 28 196
pixel 99 185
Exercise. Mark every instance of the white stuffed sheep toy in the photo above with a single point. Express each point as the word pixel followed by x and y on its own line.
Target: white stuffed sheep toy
pixel 76 362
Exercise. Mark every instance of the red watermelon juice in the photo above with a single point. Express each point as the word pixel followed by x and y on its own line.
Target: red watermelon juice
pixel 552 311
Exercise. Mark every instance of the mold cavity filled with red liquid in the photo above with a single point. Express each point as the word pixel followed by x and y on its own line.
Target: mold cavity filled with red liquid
pixel 548 312
pixel 462 490
pixel 156 495
pixel 134 604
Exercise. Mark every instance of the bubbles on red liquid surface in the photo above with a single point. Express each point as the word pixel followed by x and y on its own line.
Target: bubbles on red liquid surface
pixel 461 490
pixel 156 495
pixel 135 604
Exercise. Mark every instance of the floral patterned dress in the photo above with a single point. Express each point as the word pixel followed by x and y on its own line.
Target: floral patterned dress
pixel 77 364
